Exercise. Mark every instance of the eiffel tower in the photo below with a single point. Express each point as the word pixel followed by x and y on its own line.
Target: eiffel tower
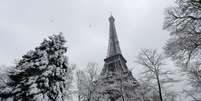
pixel 116 82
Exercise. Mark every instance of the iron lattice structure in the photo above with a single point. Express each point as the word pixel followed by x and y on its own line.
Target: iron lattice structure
pixel 116 82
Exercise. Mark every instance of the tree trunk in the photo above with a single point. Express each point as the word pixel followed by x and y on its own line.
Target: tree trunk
pixel 159 87
pixel 79 97
pixel 112 99
pixel 89 97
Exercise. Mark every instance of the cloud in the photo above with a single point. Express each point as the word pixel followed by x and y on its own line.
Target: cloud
pixel 26 23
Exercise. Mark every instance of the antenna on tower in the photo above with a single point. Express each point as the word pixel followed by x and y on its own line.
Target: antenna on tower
pixel 110 12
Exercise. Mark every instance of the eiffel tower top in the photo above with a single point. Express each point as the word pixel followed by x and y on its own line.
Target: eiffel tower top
pixel 113 45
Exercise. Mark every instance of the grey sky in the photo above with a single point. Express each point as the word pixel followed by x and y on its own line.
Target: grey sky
pixel 24 23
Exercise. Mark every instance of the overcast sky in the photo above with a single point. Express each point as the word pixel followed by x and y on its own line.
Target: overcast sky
pixel 25 23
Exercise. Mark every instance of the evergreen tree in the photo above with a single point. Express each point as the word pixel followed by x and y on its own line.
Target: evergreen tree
pixel 43 74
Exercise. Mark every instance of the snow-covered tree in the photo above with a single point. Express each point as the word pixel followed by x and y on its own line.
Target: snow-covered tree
pixel 155 78
pixel 149 92
pixel 3 79
pixel 43 74
pixel 184 47
pixel 85 81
